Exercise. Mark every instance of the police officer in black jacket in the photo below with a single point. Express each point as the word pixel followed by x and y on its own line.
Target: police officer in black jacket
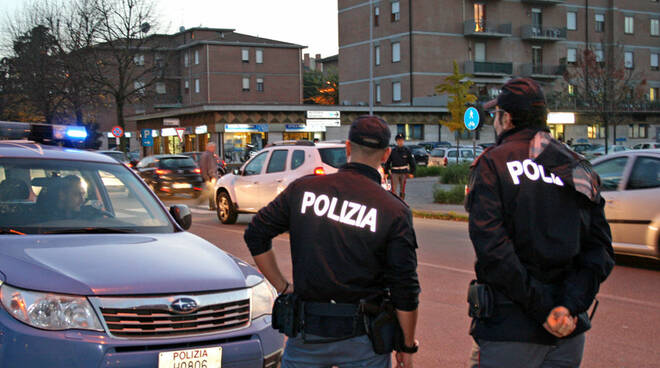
pixel 350 240
pixel 400 166
pixel 542 242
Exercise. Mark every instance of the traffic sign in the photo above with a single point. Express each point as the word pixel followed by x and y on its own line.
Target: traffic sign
pixel 312 114
pixel 471 118
pixel 117 131
pixel 147 138
pixel 179 132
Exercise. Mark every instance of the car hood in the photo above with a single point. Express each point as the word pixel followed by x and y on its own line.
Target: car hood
pixel 118 264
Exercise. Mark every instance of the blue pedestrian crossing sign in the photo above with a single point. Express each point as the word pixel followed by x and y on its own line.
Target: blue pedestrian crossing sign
pixel 471 118
pixel 147 138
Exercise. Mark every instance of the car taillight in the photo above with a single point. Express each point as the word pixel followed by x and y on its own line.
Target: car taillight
pixel 467 190
pixel 163 172
pixel 197 171
pixel 129 164
pixel 319 171
pixel 224 164
pixel 445 161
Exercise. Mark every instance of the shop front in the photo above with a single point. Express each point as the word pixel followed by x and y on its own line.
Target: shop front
pixel 301 132
pixel 557 122
pixel 242 141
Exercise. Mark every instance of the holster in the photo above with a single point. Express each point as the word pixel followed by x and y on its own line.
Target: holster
pixel 382 325
pixel 481 302
pixel 286 314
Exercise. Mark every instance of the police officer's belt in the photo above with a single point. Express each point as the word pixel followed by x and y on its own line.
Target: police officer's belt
pixel 332 321
pixel 400 167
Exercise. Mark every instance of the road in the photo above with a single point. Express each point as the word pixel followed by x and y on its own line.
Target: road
pixel 625 326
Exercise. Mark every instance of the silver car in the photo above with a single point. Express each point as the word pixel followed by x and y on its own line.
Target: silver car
pixel 270 171
pixel 631 188
pixel 443 156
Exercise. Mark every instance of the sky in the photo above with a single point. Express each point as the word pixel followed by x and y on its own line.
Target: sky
pixel 311 23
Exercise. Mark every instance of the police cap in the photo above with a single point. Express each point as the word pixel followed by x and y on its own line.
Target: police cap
pixel 518 94
pixel 399 136
pixel 370 131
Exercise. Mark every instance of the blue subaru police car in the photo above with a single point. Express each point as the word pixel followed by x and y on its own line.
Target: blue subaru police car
pixel 96 272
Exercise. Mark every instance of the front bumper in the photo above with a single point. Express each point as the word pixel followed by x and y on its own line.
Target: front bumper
pixel 256 346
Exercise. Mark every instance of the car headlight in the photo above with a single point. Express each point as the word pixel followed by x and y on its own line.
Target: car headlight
pixel 49 311
pixel 262 299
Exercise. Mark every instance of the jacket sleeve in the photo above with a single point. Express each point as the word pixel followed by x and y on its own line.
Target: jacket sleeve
pixel 498 264
pixel 268 223
pixel 411 161
pixel 592 265
pixel 388 164
pixel 401 270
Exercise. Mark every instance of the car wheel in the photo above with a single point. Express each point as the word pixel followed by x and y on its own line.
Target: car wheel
pixel 225 209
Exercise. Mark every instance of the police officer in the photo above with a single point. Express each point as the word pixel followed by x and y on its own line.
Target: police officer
pixel 542 243
pixel 350 240
pixel 400 166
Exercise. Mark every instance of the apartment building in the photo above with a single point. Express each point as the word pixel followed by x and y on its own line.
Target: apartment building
pixel 396 52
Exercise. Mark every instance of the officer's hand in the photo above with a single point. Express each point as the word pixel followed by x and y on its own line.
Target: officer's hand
pixel 404 360
pixel 560 323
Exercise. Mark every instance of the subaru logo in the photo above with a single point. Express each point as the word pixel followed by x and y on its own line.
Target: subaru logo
pixel 184 305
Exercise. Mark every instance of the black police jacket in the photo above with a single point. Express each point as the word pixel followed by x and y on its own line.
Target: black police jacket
pixel 349 238
pixel 539 232
pixel 400 157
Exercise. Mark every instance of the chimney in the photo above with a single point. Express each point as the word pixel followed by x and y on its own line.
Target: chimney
pixel 319 65
pixel 306 61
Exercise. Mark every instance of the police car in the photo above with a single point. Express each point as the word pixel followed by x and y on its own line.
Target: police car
pixel 99 277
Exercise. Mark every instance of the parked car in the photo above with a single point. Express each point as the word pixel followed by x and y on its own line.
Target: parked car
pixel 600 151
pixel 631 188
pixel 270 171
pixel 171 174
pixel 581 148
pixel 447 156
pixel 486 145
pixel 119 156
pixel 420 154
pixel 222 164
pixel 119 283
pixel 429 146
pixel 646 145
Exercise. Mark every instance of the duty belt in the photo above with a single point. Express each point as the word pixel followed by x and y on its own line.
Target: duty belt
pixel 400 167
pixel 333 321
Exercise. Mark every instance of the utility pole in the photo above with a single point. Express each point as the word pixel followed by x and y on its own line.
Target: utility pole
pixel 371 57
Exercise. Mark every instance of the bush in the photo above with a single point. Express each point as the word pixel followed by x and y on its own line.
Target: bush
pixel 455 174
pixel 422 171
pixel 455 195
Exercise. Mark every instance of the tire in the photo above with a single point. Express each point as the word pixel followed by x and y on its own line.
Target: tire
pixel 225 209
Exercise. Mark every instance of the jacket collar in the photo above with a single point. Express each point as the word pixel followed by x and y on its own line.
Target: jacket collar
pixel 363 169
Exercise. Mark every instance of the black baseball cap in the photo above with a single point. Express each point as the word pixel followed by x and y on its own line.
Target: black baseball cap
pixel 370 131
pixel 518 94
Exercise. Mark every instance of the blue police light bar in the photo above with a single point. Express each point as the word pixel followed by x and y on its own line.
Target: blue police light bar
pixel 43 133
pixel 76 132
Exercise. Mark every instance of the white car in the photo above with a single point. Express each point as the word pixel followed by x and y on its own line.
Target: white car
pixel 270 171
pixel 646 145
pixel 443 156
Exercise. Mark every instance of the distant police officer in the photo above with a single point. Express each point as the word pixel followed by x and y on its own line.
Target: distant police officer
pixel 543 245
pixel 400 166
pixel 350 240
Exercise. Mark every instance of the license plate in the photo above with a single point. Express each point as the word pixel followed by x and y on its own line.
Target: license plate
pixel 193 358
pixel 181 185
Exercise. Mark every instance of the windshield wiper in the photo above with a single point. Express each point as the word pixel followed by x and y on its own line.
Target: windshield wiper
pixel 91 230
pixel 10 231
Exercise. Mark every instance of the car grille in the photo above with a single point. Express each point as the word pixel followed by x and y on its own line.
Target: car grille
pixel 155 318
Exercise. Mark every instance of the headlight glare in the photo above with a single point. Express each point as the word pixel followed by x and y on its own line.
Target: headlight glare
pixel 262 299
pixel 49 311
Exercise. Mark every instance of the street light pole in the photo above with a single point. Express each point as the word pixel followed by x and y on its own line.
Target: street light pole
pixel 371 57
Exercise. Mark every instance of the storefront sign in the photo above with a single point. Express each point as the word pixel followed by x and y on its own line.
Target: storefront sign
pixel 303 128
pixel 168 132
pixel 561 118
pixel 323 115
pixel 171 122
pixel 242 128
pixel 324 122
pixel 201 129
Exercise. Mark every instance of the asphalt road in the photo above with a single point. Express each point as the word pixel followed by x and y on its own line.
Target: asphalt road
pixel 625 326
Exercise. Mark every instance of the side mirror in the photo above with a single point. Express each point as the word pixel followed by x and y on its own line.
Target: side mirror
pixel 182 215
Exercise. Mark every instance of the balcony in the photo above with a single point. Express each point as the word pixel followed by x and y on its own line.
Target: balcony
pixel 486 29
pixel 488 68
pixel 536 33
pixel 543 2
pixel 540 71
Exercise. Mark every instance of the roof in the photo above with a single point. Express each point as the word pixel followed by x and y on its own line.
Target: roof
pixel 28 149
pixel 239 39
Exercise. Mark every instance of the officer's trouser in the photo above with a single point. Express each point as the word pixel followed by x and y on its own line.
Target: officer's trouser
pixel 496 354
pixel 350 353
pixel 399 181
pixel 208 192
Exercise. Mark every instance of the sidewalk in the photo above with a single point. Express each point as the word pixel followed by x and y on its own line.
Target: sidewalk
pixel 419 196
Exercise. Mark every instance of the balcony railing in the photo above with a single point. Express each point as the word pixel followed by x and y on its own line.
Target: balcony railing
pixel 487 68
pixel 542 70
pixel 537 33
pixel 486 29
pixel 544 2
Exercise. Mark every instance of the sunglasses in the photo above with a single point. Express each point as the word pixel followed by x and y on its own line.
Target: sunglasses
pixel 492 113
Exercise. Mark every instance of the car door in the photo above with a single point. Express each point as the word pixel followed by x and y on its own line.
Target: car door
pixel 467 155
pixel 274 179
pixel 612 173
pixel 247 186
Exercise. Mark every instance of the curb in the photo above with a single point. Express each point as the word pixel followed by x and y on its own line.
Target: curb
pixel 440 215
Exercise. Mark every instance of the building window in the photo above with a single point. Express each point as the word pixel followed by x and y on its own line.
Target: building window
pixel 196 85
pixel 139 87
pixel 396 52
pixel 629 25
pixel 653 94
pixel 186 87
pixel 160 88
pixel 246 83
pixel 479 17
pixel 378 93
pixel 600 22
pixel 479 51
pixel 245 55
pixel 260 84
pixel 654 61
pixel 571 90
pixel 571 21
pixel 595 131
pixel 638 131
pixel 396 91
pixel 396 15
pixel 259 57
pixel 571 55
pixel 196 57
pixel 376 14
pixel 599 55
pixel 628 60
pixel 655 27
pixel 138 59
pixel 185 59
pixel 411 131
pixel 377 54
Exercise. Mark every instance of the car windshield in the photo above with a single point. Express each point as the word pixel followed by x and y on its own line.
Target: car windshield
pixel 419 151
pixel 40 196
pixel 176 162
pixel 335 157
